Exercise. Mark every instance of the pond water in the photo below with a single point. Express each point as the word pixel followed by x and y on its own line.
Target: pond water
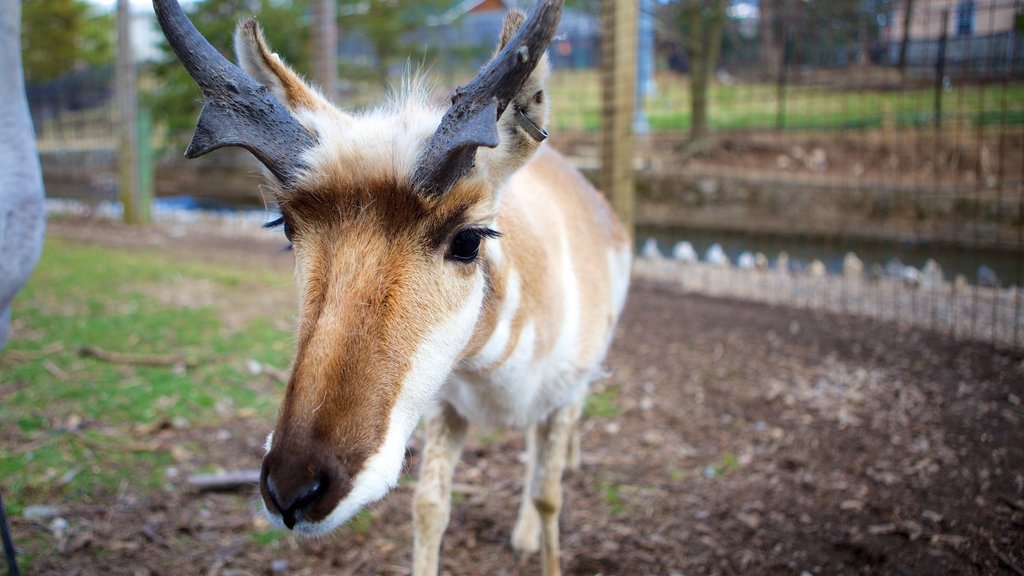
pixel 1007 264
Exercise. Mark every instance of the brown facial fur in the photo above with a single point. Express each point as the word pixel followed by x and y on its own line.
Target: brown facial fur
pixel 373 279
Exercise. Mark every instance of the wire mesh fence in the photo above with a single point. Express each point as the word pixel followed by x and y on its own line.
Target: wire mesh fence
pixel 861 157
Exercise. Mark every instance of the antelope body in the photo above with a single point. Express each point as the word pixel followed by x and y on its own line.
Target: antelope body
pixel 447 263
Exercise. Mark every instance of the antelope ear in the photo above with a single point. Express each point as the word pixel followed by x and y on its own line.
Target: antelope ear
pixel 523 125
pixel 256 58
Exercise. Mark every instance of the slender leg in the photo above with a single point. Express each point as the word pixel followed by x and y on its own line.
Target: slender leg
pixel 432 502
pixel 12 561
pixel 526 534
pixel 575 456
pixel 553 440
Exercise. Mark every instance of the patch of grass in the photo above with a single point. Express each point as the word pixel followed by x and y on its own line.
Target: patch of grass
pixel 576 105
pixel 267 537
pixel 729 463
pixel 362 522
pixel 603 404
pixel 613 498
pixel 490 438
pixel 72 417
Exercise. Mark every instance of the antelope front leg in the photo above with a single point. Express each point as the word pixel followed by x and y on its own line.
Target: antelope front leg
pixel 553 443
pixel 526 534
pixel 432 502
pixel 575 456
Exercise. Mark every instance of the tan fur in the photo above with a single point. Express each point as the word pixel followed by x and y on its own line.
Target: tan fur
pixel 375 284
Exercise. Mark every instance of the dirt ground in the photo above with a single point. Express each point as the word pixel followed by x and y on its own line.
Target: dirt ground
pixel 734 438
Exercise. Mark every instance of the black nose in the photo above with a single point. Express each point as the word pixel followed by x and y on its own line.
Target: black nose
pixel 289 504
pixel 302 486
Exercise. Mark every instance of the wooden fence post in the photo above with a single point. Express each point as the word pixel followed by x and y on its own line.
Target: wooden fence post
pixel 128 117
pixel 618 91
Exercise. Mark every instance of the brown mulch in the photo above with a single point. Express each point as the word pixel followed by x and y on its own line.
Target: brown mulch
pixel 746 439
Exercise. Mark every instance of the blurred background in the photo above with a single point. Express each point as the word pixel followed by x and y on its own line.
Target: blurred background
pixel 819 370
pixel 887 129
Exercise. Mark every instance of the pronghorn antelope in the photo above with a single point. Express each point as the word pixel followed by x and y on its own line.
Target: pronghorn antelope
pixel 447 263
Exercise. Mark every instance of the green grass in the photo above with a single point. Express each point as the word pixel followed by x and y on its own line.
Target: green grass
pixel 576 105
pixel 603 404
pixel 66 422
pixel 613 498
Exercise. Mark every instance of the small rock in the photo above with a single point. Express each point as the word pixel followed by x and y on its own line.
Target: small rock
pixel 851 505
pixel 911 276
pixel 612 428
pixel 716 256
pixel 782 262
pixel 960 283
pixel 745 261
pixel 684 252
pixel 707 186
pixel 254 367
pixel 931 516
pixel 817 160
pixel 751 520
pixel 39 512
pixel 279 565
pixel 894 268
pixel 783 162
pixel 853 267
pixel 58 527
pixel 931 275
pixel 650 250
pixel 987 277
pixel 760 261
pixel 817 269
pixel 653 438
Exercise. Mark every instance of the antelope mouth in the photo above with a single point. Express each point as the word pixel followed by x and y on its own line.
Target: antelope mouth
pixel 314 504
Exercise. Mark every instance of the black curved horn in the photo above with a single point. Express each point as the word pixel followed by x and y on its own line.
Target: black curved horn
pixel 472 120
pixel 237 110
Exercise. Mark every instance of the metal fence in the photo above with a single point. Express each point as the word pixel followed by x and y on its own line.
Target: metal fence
pixel 862 157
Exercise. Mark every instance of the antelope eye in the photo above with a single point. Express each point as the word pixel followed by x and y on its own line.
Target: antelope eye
pixel 465 246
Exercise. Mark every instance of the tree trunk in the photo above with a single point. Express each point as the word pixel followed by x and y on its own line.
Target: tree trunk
pixel 325 46
pixel 706 25
pixel 771 52
pixel 22 216
pixel 907 15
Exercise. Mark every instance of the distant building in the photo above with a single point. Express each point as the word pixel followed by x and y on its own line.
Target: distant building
pixel 980 36
pixel 465 35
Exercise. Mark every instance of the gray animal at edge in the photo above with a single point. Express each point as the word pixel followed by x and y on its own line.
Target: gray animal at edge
pixel 22 213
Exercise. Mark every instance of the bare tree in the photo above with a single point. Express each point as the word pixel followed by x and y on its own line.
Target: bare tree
pixel 705 20
pixel 908 12
pixel 698 26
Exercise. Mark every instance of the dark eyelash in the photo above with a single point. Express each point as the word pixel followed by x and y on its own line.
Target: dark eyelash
pixel 482 233
pixel 273 224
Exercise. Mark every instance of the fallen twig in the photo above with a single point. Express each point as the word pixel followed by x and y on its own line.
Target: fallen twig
pixel 1005 559
pixel 276 373
pixel 142 359
pixel 232 480
pixel 26 356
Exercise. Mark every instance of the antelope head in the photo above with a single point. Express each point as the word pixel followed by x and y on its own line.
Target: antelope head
pixel 389 214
